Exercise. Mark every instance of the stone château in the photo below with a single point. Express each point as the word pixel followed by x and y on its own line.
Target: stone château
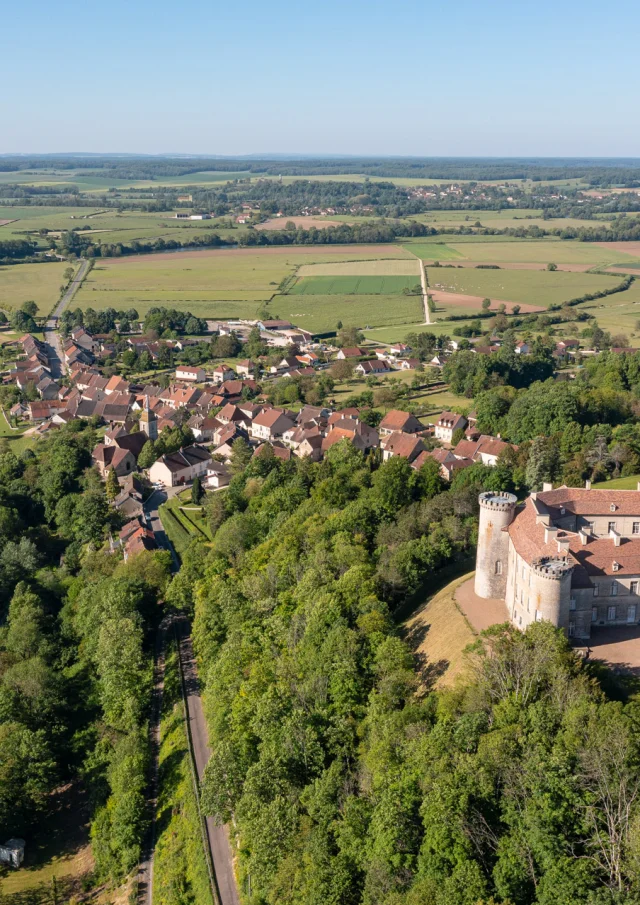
pixel 570 555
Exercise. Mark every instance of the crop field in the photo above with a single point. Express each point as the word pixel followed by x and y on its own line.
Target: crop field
pixel 531 287
pixel 224 283
pixel 353 285
pixel 320 313
pixel 408 267
pixel 618 313
pixel 543 251
pixel 433 251
pixel 25 282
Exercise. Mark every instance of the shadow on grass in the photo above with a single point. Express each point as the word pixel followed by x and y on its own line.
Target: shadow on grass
pixel 431 585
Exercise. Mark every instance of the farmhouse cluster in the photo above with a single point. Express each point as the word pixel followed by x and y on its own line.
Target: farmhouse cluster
pixel 569 555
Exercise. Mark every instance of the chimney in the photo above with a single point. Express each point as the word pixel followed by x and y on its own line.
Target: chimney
pixel 587 485
pixel 549 533
pixel 584 537
pixel 616 538
pixel 563 545
pixel 546 487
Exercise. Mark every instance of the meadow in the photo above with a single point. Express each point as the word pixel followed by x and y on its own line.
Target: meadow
pixel 321 313
pixel 618 313
pixel 407 267
pixel 353 285
pixel 531 287
pixel 31 282
pixel 219 283
pixel 489 250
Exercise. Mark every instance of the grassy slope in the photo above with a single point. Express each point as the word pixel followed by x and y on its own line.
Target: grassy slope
pixel 628 483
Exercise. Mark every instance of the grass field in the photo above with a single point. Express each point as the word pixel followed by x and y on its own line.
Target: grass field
pixel 392 334
pixel 320 313
pixel 25 282
pixel 432 251
pixel 353 285
pixel 628 483
pixel 438 633
pixel 532 287
pixel 542 251
pixel 404 267
pixel 618 313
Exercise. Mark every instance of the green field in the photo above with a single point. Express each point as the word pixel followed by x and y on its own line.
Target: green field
pixel 486 249
pixel 321 313
pixel 532 287
pixel 432 251
pixel 618 313
pixel 353 285
pixel 25 282
pixel 394 334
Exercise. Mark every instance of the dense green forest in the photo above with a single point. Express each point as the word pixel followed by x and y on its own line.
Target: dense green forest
pixel 76 647
pixel 347 777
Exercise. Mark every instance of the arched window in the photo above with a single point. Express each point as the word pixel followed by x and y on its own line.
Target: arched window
pixel 498 567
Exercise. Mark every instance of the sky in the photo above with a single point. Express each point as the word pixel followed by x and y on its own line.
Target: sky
pixel 410 77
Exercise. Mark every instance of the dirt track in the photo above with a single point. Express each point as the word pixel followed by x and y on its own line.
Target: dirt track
pixel 474 302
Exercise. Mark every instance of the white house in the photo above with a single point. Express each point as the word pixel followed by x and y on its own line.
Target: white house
pixel 270 425
pixel 181 467
pixel 197 375
pixel 448 424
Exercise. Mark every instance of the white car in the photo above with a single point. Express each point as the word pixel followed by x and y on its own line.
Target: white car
pixel 158 485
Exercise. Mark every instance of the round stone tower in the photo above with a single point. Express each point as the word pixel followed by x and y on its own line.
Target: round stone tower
pixel 551 589
pixel 496 512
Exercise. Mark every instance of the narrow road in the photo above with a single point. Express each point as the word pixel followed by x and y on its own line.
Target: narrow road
pixel 51 336
pixel 218 836
pixel 425 292
pixel 157 498
pixel 145 868
pixel 73 287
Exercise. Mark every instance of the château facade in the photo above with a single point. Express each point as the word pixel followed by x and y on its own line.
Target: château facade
pixel 570 555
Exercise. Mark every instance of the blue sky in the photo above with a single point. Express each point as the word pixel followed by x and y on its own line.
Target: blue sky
pixel 407 77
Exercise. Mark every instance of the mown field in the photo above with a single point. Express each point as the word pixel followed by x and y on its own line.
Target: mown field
pixel 31 282
pixel 321 313
pixel 219 283
pixel 403 267
pixel 532 287
pixel 618 313
pixel 490 250
pixel 353 285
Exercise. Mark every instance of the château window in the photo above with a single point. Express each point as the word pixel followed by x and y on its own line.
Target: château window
pixel 611 613
pixel 594 613
pixel 498 567
pixel 636 528
pixel 572 603
pixel 633 587
pixel 614 588
pixel 631 614
pixel 611 526
pixel 596 590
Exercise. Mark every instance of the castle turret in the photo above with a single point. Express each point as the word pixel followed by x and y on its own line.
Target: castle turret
pixel 496 512
pixel 149 421
pixel 551 589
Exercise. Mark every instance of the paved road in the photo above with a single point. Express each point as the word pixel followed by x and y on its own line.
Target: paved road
pixel 51 336
pixel 218 835
pixel 73 287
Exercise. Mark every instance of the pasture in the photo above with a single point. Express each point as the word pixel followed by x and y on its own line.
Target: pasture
pixel 432 251
pixel 531 287
pixel 31 282
pixel 222 283
pixel 489 250
pixel 353 285
pixel 407 267
pixel 618 313
pixel 321 313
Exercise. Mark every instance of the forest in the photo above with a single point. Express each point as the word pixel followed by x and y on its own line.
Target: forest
pixel 349 777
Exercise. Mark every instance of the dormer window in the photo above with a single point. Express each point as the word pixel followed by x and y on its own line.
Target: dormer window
pixel 616 566
pixel 612 507
pixel 562 510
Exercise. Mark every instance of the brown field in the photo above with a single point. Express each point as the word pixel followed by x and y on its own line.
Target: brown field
pixel 627 248
pixel 441 297
pixel 356 251
pixel 7 222
pixel 300 222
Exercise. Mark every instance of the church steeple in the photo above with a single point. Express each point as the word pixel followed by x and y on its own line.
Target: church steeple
pixel 149 420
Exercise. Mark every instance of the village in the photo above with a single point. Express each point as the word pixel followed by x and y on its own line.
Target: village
pixel 216 407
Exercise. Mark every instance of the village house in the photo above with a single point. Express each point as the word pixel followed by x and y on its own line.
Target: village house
pixel 106 457
pixel 222 373
pixel 196 375
pixel 365 368
pixel 217 476
pixel 180 467
pixel 447 424
pixel 270 424
pixel 351 352
pixel 361 435
pixel 247 368
pixel 395 420
pixel 485 450
pixel 404 445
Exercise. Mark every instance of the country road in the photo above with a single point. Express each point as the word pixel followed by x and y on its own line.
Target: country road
pixel 218 836
pixel 425 292
pixel 51 336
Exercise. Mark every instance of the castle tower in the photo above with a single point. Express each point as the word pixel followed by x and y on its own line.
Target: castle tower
pixel 496 512
pixel 551 589
pixel 149 421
